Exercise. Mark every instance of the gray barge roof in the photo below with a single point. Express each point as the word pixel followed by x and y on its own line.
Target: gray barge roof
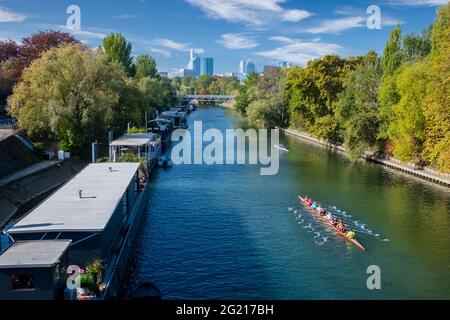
pixel 65 211
pixel 33 254
pixel 134 140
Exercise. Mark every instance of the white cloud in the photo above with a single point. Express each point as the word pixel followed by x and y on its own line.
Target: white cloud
pixel 237 41
pixel 338 25
pixel 162 52
pixel 349 22
pixel 163 46
pixel 6 15
pixel 168 43
pixel 295 15
pixel 125 16
pixel 88 33
pixel 417 3
pixel 282 39
pixel 299 52
pixel 252 12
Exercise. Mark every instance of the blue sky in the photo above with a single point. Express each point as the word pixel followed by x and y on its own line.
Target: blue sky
pixel 265 31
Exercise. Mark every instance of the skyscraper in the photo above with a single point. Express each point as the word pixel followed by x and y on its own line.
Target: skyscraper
pixel 246 67
pixel 194 64
pixel 242 66
pixel 208 66
pixel 250 67
pixel 284 64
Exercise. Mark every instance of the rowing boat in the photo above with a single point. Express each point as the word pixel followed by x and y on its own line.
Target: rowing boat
pixel 315 213
pixel 281 147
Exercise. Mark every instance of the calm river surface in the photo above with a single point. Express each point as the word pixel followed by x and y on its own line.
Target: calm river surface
pixel 225 232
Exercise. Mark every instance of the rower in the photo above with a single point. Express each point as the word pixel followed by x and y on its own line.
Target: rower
pixel 314 205
pixel 351 234
pixel 341 227
pixel 320 210
pixel 329 216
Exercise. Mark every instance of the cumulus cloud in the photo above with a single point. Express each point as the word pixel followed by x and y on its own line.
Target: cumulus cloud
pixel 237 41
pixel 417 3
pixel 174 45
pixel 298 51
pixel 7 15
pixel 251 12
pixel 349 18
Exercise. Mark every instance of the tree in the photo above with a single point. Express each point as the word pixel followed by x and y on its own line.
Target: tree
pixel 33 46
pixel 8 49
pixel 10 71
pixel 159 95
pixel 312 94
pixel 417 46
pixel 357 109
pixel 258 113
pixel 407 127
pixel 392 55
pixel 118 50
pixel 247 93
pixel 69 93
pixel 14 57
pixel 146 67
pixel 437 102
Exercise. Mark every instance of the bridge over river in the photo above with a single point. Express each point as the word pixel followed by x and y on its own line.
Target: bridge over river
pixel 207 99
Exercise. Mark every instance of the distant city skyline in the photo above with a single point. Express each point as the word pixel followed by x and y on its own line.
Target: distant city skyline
pixel 265 32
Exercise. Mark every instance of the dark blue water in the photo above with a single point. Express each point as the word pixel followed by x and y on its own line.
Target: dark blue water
pixel 226 232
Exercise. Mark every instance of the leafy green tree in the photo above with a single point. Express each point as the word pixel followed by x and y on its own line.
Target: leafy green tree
pixel 146 67
pixel 417 46
pixel 118 50
pixel 312 93
pixel 131 107
pixel 69 93
pixel 357 109
pixel 437 102
pixel 247 93
pixel 407 128
pixel 392 55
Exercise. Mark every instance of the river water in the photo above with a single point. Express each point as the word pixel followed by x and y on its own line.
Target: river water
pixel 226 232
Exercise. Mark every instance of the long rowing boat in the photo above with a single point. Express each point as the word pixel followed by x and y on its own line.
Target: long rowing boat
pixel 315 213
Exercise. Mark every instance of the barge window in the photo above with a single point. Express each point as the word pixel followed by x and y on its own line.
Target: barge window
pixel 22 282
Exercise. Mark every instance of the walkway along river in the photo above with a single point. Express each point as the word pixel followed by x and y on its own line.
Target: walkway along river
pixel 226 232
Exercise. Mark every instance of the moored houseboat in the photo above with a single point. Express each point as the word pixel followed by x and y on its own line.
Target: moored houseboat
pixel 178 118
pixel 137 147
pixel 93 217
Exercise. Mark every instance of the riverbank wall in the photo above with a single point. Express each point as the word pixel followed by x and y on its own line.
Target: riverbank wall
pixel 423 173
pixel 15 195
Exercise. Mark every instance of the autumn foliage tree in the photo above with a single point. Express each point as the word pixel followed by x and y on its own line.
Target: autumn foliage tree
pixel 15 57
pixel 69 93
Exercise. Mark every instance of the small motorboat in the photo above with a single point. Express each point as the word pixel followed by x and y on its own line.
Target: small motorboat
pixel 164 162
pixel 281 147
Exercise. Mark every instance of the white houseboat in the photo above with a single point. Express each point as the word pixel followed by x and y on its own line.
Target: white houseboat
pixel 136 147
